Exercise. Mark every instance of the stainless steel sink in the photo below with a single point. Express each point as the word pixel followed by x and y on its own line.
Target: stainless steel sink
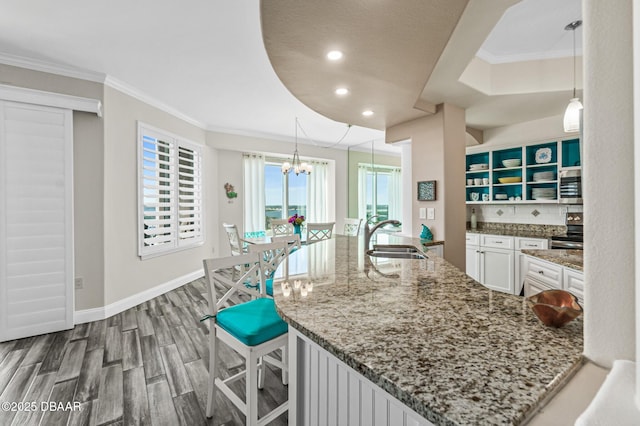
pixel 398 251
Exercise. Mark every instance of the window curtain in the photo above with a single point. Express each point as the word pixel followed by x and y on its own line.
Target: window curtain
pixel 395 194
pixel 254 197
pixel 317 208
pixel 362 191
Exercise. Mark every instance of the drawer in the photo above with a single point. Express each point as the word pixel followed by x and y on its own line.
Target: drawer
pixel 497 241
pixel 473 239
pixel 548 273
pixel 531 243
pixel 573 282
pixel 532 287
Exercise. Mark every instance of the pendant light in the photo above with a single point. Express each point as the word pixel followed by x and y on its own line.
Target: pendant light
pixel 572 113
pixel 296 166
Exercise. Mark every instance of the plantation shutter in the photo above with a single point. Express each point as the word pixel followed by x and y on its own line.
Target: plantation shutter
pixel 190 196
pixel 171 193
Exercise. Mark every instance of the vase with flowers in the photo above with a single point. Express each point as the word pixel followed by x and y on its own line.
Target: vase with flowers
pixel 296 220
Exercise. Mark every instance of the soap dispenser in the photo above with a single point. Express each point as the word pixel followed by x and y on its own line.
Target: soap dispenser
pixel 474 221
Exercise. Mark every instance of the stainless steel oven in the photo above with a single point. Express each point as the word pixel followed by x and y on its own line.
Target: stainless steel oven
pixel 574 238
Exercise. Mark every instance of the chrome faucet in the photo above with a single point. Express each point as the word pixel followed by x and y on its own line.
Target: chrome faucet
pixel 368 232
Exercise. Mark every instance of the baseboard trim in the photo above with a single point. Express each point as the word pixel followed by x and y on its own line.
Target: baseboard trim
pixel 95 314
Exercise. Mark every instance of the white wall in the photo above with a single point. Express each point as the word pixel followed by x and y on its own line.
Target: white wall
pixel 125 274
pixel 608 176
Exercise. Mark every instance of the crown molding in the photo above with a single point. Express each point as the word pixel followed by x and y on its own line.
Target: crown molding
pixel 494 59
pixel 127 89
pixel 51 68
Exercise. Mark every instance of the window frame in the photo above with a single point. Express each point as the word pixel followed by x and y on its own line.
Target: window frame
pixel 177 199
pixel 277 161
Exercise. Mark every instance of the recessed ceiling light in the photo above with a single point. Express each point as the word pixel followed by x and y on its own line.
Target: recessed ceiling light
pixel 367 113
pixel 334 55
pixel 341 91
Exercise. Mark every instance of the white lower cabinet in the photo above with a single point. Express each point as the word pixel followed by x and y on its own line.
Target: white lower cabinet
pixel 522 259
pixel 490 261
pixel 542 275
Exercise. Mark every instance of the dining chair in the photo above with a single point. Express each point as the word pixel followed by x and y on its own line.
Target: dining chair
pixel 237 245
pixel 319 231
pixel 281 227
pixel 253 329
pixel 352 226
pixel 271 255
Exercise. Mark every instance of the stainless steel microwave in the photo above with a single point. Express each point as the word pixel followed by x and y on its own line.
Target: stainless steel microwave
pixel 570 186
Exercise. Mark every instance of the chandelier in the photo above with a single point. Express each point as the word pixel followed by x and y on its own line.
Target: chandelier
pixel 296 165
pixel 572 113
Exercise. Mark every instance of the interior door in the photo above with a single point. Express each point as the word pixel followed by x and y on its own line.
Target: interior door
pixel 36 220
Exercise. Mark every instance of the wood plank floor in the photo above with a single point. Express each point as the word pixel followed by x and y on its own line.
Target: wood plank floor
pixel 145 366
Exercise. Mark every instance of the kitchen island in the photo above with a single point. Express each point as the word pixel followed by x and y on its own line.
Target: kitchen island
pixel 415 341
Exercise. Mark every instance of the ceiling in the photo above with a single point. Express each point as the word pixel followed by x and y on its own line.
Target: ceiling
pixel 206 60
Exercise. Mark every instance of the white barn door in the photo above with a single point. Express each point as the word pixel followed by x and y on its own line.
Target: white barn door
pixel 36 220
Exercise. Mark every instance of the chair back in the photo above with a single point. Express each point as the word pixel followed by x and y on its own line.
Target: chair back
pixel 319 231
pixel 270 256
pixel 218 275
pixel 281 227
pixel 234 239
pixel 352 226
pixel 293 242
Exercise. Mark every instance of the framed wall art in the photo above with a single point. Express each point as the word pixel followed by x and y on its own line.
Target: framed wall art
pixel 427 190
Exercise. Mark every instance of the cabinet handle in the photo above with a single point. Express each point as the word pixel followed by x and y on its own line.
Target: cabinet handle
pixel 498 242
pixel 541 272
pixel 531 245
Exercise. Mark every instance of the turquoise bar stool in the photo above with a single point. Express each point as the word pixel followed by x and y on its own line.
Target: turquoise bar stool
pixel 253 329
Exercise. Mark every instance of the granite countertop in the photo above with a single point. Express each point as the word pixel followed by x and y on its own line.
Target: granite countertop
pixel 570 258
pixel 524 230
pixel 452 350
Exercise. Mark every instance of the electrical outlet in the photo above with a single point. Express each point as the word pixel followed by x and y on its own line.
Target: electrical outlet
pixel 79 283
pixel 423 213
pixel 431 213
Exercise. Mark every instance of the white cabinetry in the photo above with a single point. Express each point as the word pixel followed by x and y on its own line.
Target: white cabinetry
pixel 542 275
pixel 521 259
pixel 490 261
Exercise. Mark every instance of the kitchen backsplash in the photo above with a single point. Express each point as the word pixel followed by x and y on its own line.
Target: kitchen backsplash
pixel 539 214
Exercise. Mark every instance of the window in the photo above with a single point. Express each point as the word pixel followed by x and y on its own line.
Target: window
pixel 380 192
pixel 285 195
pixel 170 193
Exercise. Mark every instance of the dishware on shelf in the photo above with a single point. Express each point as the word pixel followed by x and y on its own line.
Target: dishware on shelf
pixel 543 176
pixel 555 308
pixel 511 179
pixel 513 162
pixel 479 166
pixel 469 182
pixel 485 197
pixel 477 181
pixel 543 155
pixel 501 196
pixel 475 196
pixel 543 193
pixel 512 198
pixel 485 181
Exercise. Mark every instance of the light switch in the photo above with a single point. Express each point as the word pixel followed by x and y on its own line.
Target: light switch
pixel 431 213
pixel 423 213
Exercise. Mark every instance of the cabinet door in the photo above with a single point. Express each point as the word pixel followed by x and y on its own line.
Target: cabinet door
pixel 473 266
pixel 496 269
pixel 520 271
pixel 574 283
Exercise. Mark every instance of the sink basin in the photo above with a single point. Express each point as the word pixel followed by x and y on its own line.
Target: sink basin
pixel 396 251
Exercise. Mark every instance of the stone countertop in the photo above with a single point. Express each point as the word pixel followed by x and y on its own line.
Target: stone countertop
pixel 570 258
pixel 452 350
pixel 523 233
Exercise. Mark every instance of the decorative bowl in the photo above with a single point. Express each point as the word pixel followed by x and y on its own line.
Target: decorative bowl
pixel 513 179
pixel 514 162
pixel 555 308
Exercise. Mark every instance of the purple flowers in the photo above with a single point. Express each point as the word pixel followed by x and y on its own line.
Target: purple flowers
pixel 296 220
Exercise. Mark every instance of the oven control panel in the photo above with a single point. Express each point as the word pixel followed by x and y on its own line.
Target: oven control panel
pixel 574 219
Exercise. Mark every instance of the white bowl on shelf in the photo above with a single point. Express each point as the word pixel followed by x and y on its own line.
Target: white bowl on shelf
pixel 514 162
pixel 501 196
